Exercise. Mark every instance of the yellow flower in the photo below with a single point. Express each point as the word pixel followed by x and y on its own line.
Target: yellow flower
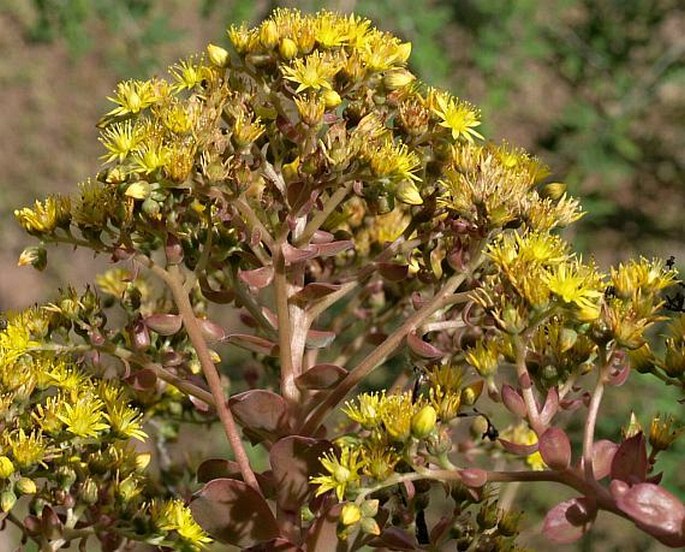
pixel 397 412
pixel 458 116
pixel 84 417
pixel 315 72
pixel 579 284
pixel 174 515
pixel 120 139
pixel 132 97
pixel 27 450
pixel 45 216
pixel 343 472
pixel 125 421
pixel 484 357
pixel 367 410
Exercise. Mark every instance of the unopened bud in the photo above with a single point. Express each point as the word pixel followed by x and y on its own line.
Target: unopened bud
pixel 408 193
pixel 423 422
pixel 89 491
pixel 7 500
pixel 217 55
pixel 6 467
pixel 138 190
pixel 399 78
pixel 287 48
pixel 331 99
pixel 26 486
pixel 553 190
pixel 350 514
pixel 369 526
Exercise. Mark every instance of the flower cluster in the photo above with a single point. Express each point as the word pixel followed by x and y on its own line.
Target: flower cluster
pixel 349 217
pixel 67 439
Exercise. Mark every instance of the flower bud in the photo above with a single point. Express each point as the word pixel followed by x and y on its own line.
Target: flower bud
pixel 470 393
pixel 408 193
pixel 6 467
pixel 36 256
pixel 217 55
pixel 7 500
pixel 399 78
pixel 509 522
pixel 26 486
pixel 350 514
pixel 66 477
pixel 138 190
pixel 89 491
pixel 423 422
pixel 370 507
pixel 287 48
pixel 369 526
pixel 487 516
pixel 331 99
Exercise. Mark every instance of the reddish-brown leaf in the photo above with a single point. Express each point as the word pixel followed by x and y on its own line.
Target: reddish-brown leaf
pixel 513 400
pixel 261 411
pixel 570 520
pixel 293 460
pixel 630 460
pixel 258 278
pixel 517 448
pixel 164 324
pixel 555 448
pixel 321 376
pixel 234 513
pixel 423 349
pixel 318 339
pixel 656 511
pixel 253 343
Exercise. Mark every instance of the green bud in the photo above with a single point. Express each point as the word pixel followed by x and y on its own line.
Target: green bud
pixel 7 500
pixel 89 491
pixel 26 486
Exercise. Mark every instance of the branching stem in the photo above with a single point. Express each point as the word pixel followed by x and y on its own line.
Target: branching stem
pixel 174 280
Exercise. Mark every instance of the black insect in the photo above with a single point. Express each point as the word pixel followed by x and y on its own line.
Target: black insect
pixel 490 432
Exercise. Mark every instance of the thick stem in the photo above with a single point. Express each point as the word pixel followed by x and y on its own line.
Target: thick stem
pixel 173 279
pixel 527 386
pixel 590 422
pixel 379 354
pixel 289 390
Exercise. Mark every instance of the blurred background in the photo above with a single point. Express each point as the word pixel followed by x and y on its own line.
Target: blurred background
pixel 596 88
